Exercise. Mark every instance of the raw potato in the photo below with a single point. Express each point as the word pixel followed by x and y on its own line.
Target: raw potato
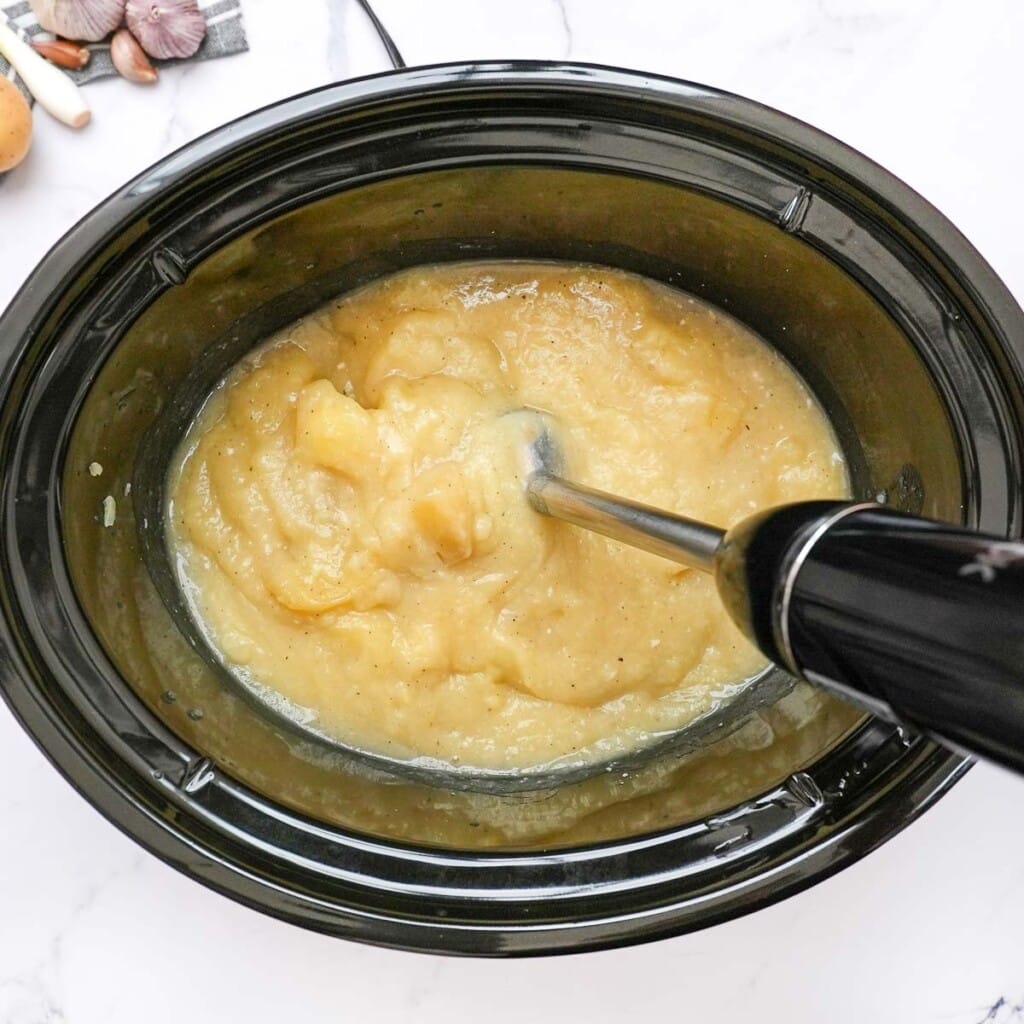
pixel 15 125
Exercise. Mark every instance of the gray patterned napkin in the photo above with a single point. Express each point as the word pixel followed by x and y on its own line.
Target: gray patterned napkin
pixel 225 35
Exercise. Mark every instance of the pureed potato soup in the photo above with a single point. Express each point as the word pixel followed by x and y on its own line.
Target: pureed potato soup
pixel 348 518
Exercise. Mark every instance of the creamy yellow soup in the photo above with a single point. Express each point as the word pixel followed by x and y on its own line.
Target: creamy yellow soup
pixel 348 517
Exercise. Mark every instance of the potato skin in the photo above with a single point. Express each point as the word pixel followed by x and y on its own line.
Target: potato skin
pixel 15 125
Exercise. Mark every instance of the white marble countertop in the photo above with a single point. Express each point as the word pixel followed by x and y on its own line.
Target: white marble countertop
pixel 927 929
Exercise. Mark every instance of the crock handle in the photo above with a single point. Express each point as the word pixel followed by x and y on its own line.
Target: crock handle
pixel 922 621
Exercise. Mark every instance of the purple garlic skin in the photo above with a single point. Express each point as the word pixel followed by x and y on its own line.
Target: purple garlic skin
pixel 166 28
pixel 129 59
pixel 81 20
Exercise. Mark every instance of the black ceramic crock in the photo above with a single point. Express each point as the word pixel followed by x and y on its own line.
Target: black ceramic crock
pixel 906 336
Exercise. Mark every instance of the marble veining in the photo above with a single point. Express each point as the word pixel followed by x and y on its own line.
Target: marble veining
pixel 566 27
pixel 1004 1011
pixel 95 931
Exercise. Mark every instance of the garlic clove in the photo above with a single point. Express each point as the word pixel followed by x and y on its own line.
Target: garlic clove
pixel 89 20
pixel 166 28
pixel 63 53
pixel 130 59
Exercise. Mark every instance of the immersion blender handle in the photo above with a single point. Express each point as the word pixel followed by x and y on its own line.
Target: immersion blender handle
pixel 921 621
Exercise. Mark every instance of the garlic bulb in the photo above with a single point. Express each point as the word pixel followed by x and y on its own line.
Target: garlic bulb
pixel 166 28
pixel 88 20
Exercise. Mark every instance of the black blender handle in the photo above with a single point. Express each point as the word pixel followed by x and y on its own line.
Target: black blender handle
pixel 920 621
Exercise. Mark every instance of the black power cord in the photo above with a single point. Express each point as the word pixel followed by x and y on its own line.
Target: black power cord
pixel 394 54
